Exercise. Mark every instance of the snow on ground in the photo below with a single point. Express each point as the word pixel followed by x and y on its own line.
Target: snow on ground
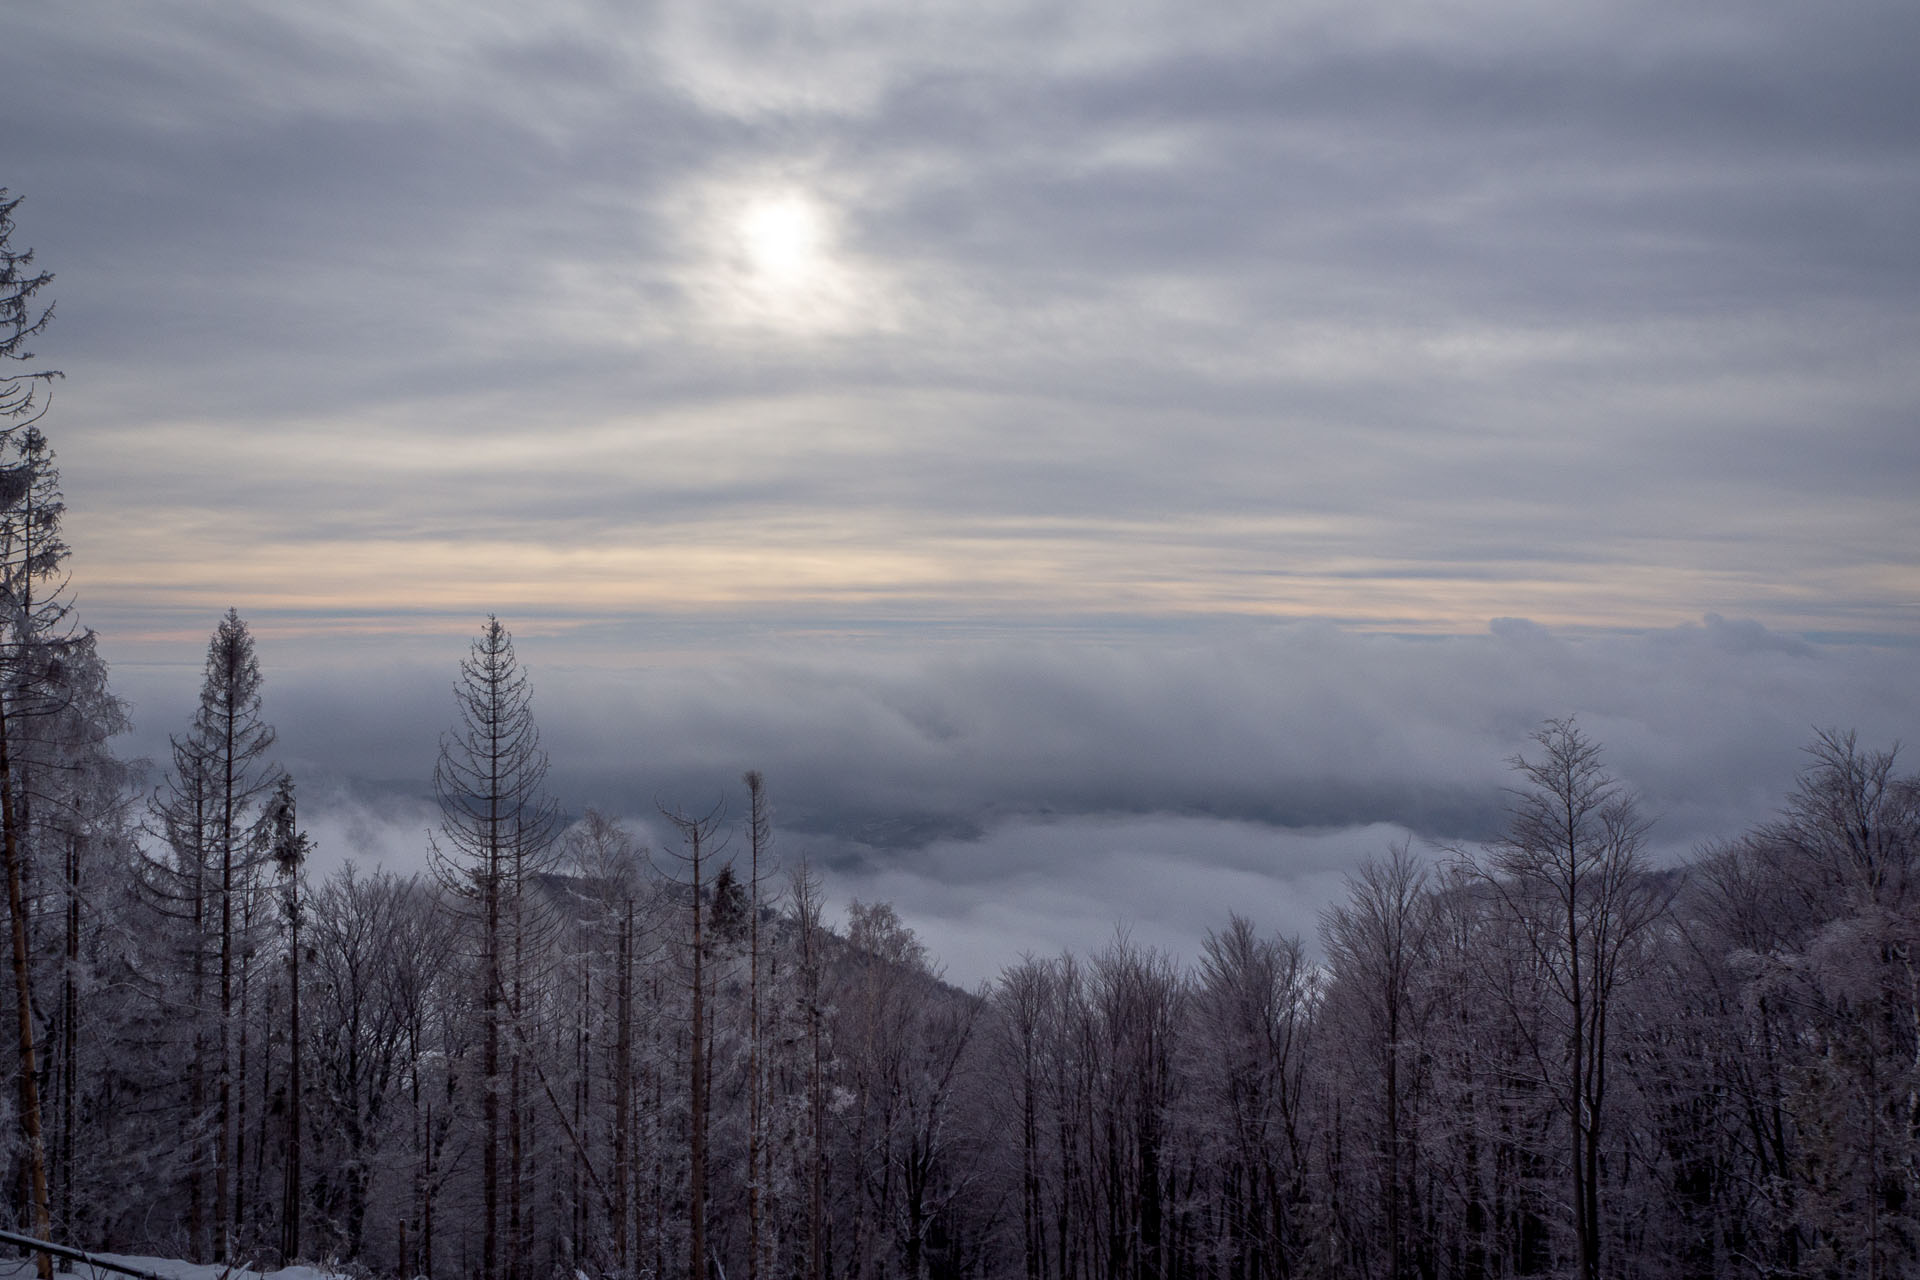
pixel 169 1268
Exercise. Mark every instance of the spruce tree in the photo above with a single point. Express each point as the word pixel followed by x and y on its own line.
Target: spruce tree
pixel 497 829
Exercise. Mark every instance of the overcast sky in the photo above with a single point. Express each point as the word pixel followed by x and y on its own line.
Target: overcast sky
pixel 1102 460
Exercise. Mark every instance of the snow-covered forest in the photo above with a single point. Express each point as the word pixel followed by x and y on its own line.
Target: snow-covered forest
pixel 558 1052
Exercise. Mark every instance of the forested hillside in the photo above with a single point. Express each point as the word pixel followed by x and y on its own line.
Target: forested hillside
pixel 558 1053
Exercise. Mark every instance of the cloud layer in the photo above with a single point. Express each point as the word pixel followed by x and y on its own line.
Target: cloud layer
pixel 1031 795
pixel 1410 318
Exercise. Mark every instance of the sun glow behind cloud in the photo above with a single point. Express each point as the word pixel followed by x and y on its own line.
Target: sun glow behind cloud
pixel 766 256
pixel 784 239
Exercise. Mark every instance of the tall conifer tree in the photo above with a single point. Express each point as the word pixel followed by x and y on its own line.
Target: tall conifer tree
pixel 497 829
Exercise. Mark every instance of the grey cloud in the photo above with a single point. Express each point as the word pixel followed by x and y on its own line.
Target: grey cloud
pixel 318 169
pixel 1303 728
pixel 1306 727
pixel 1029 796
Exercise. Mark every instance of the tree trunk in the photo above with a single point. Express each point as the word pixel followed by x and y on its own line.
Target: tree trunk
pixel 757 831
pixel 291 1201
pixel 490 1086
pixel 240 1198
pixel 623 1098
pixel 70 1031
pixel 196 1063
pixel 697 1086
pixel 23 1001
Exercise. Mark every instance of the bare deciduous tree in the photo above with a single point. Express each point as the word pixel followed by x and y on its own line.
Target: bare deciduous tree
pixel 1571 877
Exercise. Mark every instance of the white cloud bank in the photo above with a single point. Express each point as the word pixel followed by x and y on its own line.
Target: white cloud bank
pixel 1030 795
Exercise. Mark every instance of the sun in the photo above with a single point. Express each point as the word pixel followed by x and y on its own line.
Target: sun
pixel 783 240
pixel 770 256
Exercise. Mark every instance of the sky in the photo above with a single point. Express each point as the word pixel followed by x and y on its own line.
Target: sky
pixel 1108 464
